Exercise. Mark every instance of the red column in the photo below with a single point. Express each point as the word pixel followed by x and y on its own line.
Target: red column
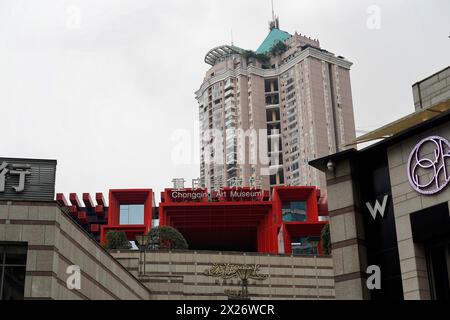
pixel 264 236
pixel 258 238
pixel 312 213
pixel 102 235
pixel 287 241
pixel 274 239
pixel 148 212
pixel 162 219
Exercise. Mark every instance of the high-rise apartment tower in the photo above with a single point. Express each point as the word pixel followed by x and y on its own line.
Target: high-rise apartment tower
pixel 289 88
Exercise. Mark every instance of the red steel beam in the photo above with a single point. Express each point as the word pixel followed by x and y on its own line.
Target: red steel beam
pixel 87 200
pixel 217 212
pixel 74 200
pixel 100 211
pixel 82 217
pixel 221 220
pixel 94 228
pixel 61 200
pixel 193 227
pixel 73 210
pixel 100 199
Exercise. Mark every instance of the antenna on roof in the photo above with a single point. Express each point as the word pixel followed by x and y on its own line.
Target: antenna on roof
pixel 274 24
pixel 232 41
pixel 273 13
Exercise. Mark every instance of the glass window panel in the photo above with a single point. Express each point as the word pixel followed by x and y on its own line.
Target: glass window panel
pixel 294 211
pixel 13 258
pixel 124 217
pixel 13 283
pixel 132 214
pixel 15 255
pixel 137 214
pixel 305 246
pixel 438 259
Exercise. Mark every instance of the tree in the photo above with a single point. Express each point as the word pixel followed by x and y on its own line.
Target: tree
pixel 325 239
pixel 117 240
pixel 261 57
pixel 165 237
pixel 278 48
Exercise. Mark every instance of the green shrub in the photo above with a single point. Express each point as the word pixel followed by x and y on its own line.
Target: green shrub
pixel 325 239
pixel 261 57
pixel 278 48
pixel 165 237
pixel 117 240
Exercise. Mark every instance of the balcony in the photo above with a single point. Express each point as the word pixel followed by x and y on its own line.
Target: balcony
pixel 229 93
pixel 230 107
pixel 230 138
pixel 274 169
pixel 274 135
pixel 229 85
pixel 273 123
pixel 230 99
pixel 231 124
pixel 272 106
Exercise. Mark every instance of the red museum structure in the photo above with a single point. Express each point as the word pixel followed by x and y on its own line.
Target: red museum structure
pixel 242 219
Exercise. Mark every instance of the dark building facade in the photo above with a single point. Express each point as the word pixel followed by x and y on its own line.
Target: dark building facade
pixel 389 207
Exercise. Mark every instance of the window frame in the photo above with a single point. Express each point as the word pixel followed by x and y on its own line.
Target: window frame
pixel 4 264
pixel 141 218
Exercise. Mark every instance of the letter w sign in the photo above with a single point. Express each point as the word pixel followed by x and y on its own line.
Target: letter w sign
pixel 377 208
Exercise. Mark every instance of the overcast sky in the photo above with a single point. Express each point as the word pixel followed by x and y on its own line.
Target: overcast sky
pixel 102 86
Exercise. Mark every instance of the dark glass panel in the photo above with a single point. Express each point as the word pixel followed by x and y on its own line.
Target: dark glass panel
pixel 13 283
pixel 15 255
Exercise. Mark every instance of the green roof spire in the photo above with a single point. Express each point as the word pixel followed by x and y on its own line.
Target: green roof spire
pixel 275 35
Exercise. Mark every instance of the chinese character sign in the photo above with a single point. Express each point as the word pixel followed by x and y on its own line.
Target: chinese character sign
pixel 22 170
pixel 178 183
pixel 27 179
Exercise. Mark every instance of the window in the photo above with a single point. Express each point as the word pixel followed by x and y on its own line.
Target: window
pixel 290 96
pixel 294 211
pixel 305 246
pixel 430 228
pixel 13 260
pixel 438 265
pixel 131 214
pixel 273 179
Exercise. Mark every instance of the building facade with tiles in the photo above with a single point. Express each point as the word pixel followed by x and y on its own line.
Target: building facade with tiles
pixel 181 275
pixel 264 114
pixel 44 240
pixel 51 248
pixel 39 241
pixel 389 205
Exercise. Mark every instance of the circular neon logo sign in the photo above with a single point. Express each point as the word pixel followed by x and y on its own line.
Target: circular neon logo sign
pixel 429 165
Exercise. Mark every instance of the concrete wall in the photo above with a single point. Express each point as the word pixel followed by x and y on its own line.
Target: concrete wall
pixel 432 90
pixel 347 234
pixel 406 201
pixel 346 223
pixel 55 242
pixel 179 275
